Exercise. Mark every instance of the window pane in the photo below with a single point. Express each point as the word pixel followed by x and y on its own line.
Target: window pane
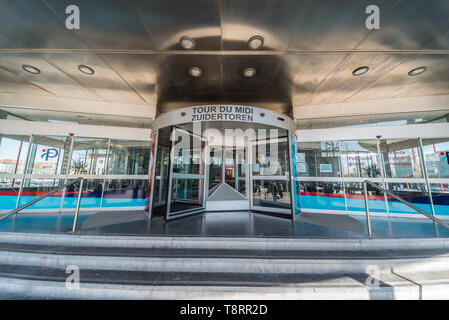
pixel 9 189
pixel 356 199
pixel 34 188
pixel 322 195
pixel 271 158
pixel 436 155
pixel 128 157
pixel 359 159
pixel 89 156
pixel 49 155
pixel 186 194
pixel 124 192
pixel 401 158
pixel 318 159
pixel 440 197
pixel 416 193
pixel 13 151
pixel 271 193
pixel 91 194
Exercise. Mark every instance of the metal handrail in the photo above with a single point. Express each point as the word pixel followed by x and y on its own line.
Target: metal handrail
pixel 368 222
pixel 77 180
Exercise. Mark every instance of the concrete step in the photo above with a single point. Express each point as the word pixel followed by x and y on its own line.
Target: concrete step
pixel 34 266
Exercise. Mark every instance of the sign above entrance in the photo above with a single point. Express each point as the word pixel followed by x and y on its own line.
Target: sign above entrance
pixel 235 113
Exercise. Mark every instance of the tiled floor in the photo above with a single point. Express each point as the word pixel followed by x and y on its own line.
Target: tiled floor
pixel 217 224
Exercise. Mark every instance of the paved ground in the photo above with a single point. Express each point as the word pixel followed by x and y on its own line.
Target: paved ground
pixel 225 224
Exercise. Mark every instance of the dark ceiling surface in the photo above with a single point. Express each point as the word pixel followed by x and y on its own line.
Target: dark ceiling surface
pixel 310 50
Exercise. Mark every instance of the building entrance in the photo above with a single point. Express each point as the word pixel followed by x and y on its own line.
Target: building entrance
pixel 223 166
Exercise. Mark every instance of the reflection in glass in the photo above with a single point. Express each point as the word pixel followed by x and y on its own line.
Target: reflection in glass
pixel 416 193
pixel 271 193
pixel 436 155
pixel 128 157
pixel 33 188
pixel 186 194
pixel 89 156
pixel 9 190
pixel 356 200
pixel 186 153
pixel 13 151
pixel 322 195
pixel 215 166
pixel 124 192
pixel 271 155
pixel 359 159
pixel 401 158
pixel 91 194
pixel 440 197
pixel 49 155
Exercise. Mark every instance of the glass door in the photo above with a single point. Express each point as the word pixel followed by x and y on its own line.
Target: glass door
pixel 270 176
pixel 186 175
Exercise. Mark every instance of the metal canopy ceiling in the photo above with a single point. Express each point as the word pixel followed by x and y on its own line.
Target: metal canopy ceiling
pixel 310 50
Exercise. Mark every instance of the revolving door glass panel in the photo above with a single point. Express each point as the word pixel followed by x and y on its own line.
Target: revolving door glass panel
pixel 271 173
pixel 186 186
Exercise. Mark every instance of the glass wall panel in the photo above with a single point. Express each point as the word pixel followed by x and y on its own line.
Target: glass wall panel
pixel 91 194
pixel 359 159
pixel 318 159
pixel 271 156
pixel 9 190
pixel 401 158
pixel 416 193
pixel 235 168
pixel 322 195
pixel 440 197
pixel 13 150
pixel 355 198
pixel 436 155
pixel 128 157
pixel 34 188
pixel 89 156
pixel 124 192
pixel 49 155
pixel 187 153
pixel 215 166
pixel 271 193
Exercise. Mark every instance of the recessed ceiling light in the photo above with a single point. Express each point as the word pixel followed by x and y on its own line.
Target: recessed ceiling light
pixel 417 71
pixel 86 69
pixel 195 72
pixel 187 43
pixel 249 72
pixel 360 71
pixel 31 69
pixel 255 42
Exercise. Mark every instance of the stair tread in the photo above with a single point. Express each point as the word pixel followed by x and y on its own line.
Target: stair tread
pixel 222 253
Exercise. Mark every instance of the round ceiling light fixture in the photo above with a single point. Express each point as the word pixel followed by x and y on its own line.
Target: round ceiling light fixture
pixel 360 71
pixel 30 69
pixel 417 71
pixel 86 69
pixel 249 72
pixel 187 43
pixel 255 42
pixel 195 72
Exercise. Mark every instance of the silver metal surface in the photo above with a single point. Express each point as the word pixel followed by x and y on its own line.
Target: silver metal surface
pixel 441 222
pixel 310 50
pixel 78 202
pixel 368 220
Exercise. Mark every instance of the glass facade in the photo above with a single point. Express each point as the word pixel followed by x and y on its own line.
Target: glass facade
pixel 331 174
pixel 115 171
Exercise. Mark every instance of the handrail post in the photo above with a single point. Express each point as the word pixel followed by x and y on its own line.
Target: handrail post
pixel 78 202
pixel 368 221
